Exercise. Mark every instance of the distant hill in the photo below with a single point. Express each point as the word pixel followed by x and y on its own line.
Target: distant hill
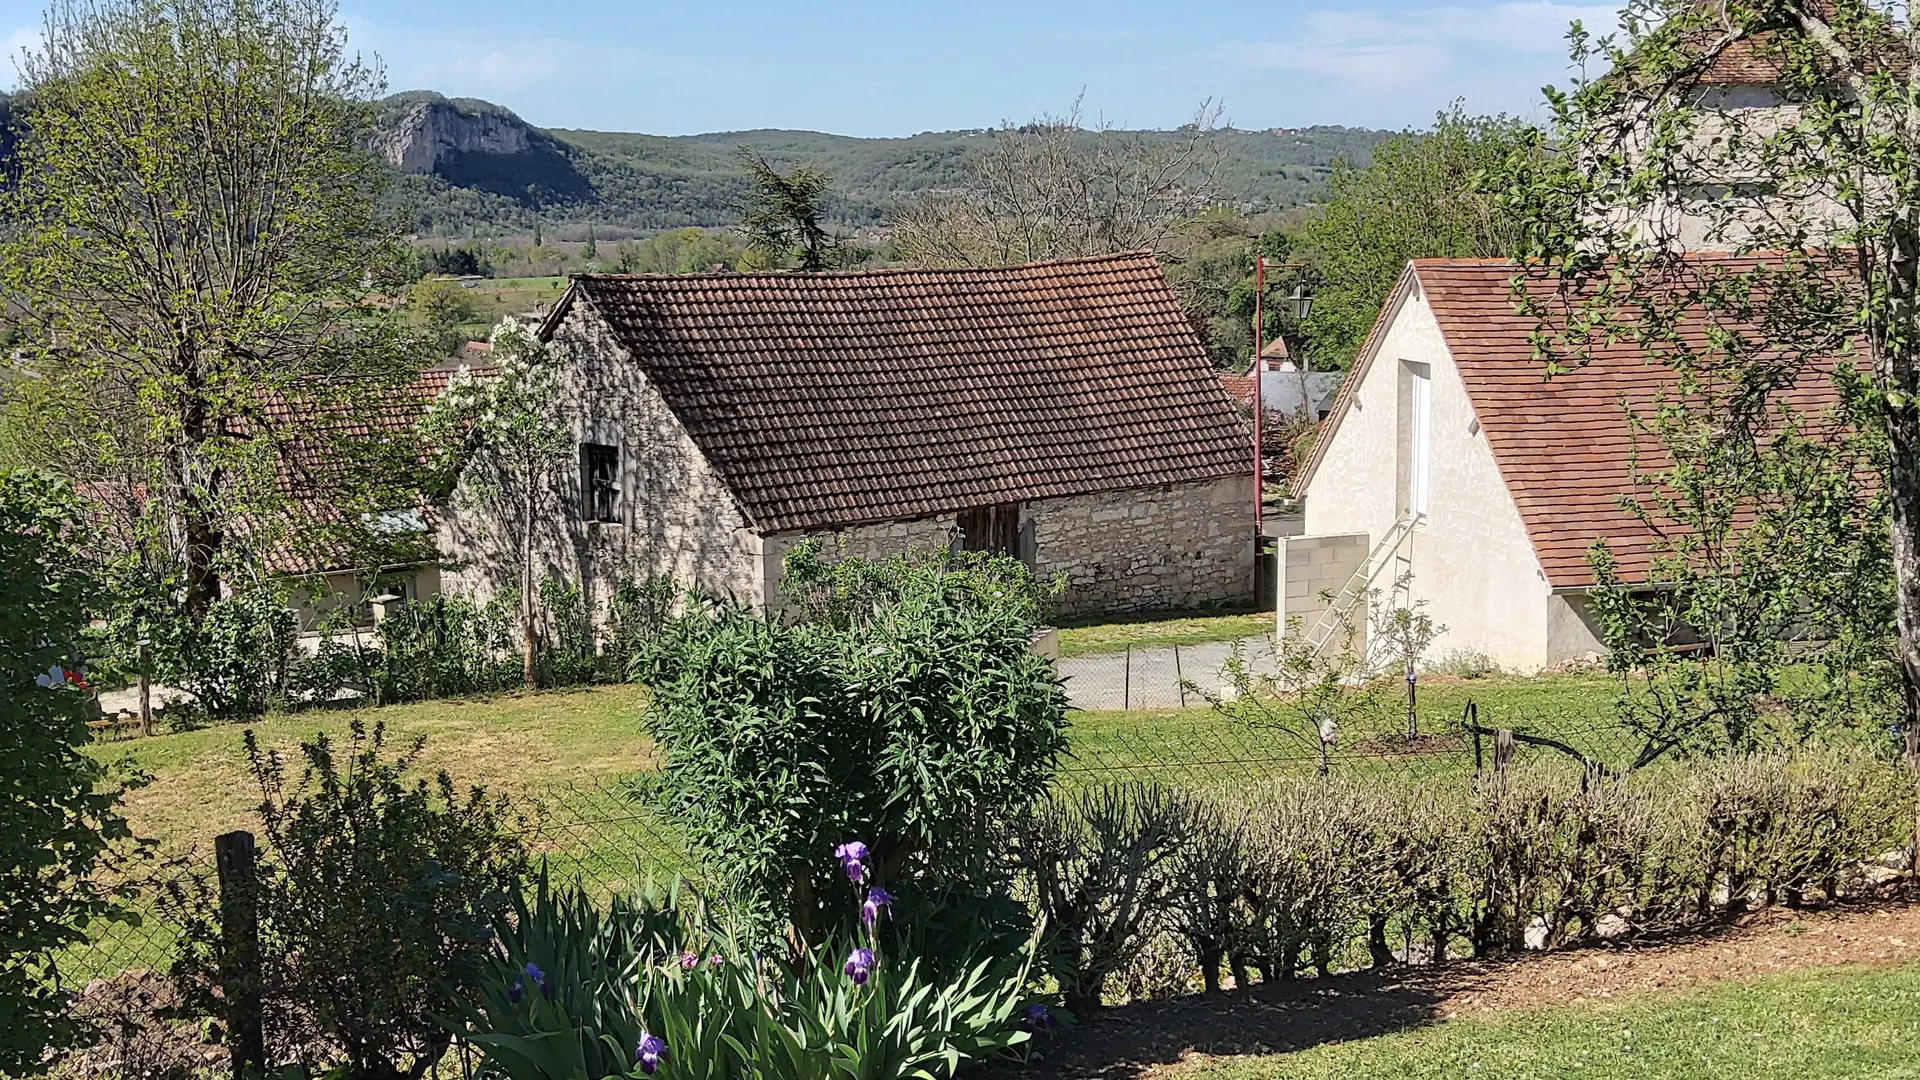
pixel 468 164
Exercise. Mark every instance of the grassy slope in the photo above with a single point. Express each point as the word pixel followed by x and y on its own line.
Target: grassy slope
pixel 1839 1023
pixel 201 785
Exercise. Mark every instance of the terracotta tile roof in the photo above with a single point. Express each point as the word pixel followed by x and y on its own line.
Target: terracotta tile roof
pixel 1276 349
pixel 837 399
pixel 310 469
pixel 1562 445
pixel 1238 387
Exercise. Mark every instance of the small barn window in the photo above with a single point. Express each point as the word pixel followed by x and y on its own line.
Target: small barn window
pixel 600 482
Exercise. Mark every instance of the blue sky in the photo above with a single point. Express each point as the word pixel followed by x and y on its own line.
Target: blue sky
pixel 898 68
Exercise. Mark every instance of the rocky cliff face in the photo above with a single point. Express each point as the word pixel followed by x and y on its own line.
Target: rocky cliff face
pixel 425 133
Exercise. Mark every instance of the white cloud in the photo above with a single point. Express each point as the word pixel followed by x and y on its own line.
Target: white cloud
pixel 1413 47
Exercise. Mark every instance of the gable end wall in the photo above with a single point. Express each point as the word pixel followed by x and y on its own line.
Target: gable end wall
pixel 678 518
pixel 1472 561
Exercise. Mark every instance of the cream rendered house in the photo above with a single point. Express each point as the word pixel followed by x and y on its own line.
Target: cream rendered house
pixel 1452 473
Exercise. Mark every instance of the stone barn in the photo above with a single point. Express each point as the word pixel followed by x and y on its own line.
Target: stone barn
pixel 1063 412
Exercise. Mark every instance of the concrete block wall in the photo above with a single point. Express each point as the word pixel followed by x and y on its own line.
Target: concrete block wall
pixel 1312 565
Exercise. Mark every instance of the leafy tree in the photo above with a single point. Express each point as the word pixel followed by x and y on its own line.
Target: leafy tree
pixel 1653 158
pixel 682 251
pixel 1416 198
pixel 192 235
pixel 592 250
pixel 58 823
pixel 1052 189
pixel 500 434
pixel 441 306
pixel 1212 270
pixel 782 218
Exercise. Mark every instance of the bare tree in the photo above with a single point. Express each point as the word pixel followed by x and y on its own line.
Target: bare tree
pixel 1055 189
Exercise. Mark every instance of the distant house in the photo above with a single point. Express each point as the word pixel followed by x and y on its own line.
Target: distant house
pixel 1282 388
pixel 1452 472
pixel 1065 413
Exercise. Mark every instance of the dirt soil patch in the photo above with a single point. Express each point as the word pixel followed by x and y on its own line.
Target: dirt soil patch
pixel 1157 1038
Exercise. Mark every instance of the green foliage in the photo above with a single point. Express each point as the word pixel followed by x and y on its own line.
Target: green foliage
pixel 233 661
pixel 682 251
pixel 59 823
pixel 781 219
pixel 573 991
pixel 377 895
pixel 569 655
pixel 199 301
pixel 1825 204
pixel 908 710
pixel 1418 197
pixel 441 646
pixel 441 307
pixel 1213 273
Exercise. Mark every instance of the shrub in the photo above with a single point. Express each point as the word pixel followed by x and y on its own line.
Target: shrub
pixel 1102 867
pixel 1334 873
pixel 376 899
pixel 658 986
pixel 442 646
pixel 917 717
pixel 58 823
pixel 230 665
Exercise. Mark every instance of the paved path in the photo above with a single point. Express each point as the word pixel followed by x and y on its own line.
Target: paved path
pixel 1149 678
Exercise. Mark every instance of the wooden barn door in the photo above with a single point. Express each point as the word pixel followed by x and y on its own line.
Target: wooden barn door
pixel 994 529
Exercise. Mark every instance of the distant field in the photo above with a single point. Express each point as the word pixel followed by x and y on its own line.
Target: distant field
pixel 497 298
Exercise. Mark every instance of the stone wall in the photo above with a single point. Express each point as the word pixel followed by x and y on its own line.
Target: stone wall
pixel 676 518
pixel 1147 549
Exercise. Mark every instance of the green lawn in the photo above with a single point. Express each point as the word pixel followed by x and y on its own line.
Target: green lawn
pixel 1851 1023
pixel 1115 632
pixel 514 743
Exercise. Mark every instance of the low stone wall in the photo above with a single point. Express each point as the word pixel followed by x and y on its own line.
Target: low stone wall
pixel 1163 548
pixel 876 542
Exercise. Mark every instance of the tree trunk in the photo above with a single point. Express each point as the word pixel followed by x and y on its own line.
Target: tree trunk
pixel 529 647
pixel 1894 370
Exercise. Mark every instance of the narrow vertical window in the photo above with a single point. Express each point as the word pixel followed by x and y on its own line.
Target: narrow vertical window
pixel 1415 437
pixel 600 482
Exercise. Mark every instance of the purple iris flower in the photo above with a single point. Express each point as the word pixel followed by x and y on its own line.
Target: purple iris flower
pixel 651 1051
pixel 853 860
pixel 1039 1018
pixel 516 991
pixel 539 979
pixel 878 900
pixel 859 966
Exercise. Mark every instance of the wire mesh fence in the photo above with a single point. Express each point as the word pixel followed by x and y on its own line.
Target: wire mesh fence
pixel 613 835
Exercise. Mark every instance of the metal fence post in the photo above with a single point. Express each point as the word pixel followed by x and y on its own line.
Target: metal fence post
pixel 1126 682
pixel 1179 679
pixel 233 855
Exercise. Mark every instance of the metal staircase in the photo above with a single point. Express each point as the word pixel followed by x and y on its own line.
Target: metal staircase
pixel 1392 550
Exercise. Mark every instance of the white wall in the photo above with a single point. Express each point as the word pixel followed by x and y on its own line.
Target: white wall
pixel 1471 559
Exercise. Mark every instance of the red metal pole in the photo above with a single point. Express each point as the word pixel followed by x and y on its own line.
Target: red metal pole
pixel 1259 406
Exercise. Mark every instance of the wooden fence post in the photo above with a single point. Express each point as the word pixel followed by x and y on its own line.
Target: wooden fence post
pixel 233 855
pixel 1502 751
pixel 146 690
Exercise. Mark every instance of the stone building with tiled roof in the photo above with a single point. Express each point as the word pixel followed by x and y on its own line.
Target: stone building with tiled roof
pixel 1062 412
pixel 1451 471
